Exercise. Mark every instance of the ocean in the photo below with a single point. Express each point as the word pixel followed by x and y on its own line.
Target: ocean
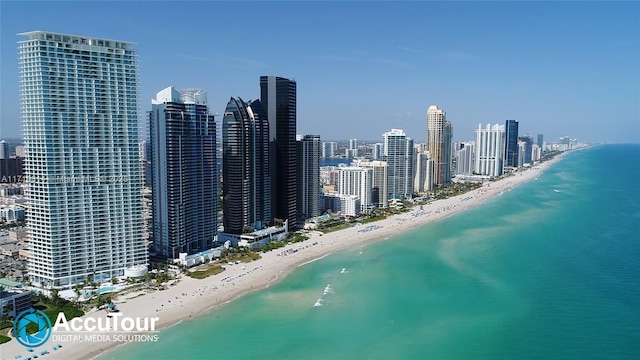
pixel 548 270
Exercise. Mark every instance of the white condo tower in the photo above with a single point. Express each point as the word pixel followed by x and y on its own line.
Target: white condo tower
pixel 80 116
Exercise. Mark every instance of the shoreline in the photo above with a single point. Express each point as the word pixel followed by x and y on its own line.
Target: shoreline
pixel 195 297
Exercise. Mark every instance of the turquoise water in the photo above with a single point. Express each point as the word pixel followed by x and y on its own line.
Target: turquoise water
pixel 532 274
pixel 105 289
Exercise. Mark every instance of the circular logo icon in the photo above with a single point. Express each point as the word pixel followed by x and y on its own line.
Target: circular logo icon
pixel 32 328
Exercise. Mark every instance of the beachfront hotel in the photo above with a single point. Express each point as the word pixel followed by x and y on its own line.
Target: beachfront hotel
pixel 183 173
pixel 398 153
pixel 246 181
pixel 80 121
pixel 439 135
pixel 489 150
pixel 278 97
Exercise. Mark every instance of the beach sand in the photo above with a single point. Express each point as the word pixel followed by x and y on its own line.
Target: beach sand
pixel 192 297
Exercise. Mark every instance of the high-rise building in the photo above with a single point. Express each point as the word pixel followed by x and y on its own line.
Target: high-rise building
pixel 329 149
pixel 278 97
pixel 357 181
pixel 528 148
pixel 21 151
pixel 423 170
pixel 439 136
pixel 378 181
pixel 4 150
pixel 511 143
pixel 184 173
pixel 377 150
pixel 80 114
pixel 540 141
pixel 465 164
pixel 398 153
pixel 309 177
pixel 246 178
pixel 489 154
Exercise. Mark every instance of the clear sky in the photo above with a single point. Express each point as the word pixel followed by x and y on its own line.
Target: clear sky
pixel 362 68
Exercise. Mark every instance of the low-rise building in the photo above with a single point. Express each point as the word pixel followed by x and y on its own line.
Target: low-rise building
pixel 13 298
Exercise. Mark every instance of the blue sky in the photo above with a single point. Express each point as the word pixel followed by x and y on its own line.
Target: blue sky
pixel 362 68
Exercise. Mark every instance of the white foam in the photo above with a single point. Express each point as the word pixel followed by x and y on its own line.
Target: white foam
pixel 344 270
pixel 327 289
pixel 318 303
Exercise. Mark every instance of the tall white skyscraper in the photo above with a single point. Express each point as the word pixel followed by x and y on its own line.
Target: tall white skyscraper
pixel 423 171
pixel 329 149
pixel 377 150
pixel 490 149
pixel 465 159
pixel 398 153
pixel 356 181
pixel 439 136
pixel 379 181
pixel 80 115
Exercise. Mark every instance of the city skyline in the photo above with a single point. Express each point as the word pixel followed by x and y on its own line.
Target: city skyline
pixel 547 74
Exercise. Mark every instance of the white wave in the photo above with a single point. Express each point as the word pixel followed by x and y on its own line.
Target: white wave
pixel 318 303
pixel 344 270
pixel 327 289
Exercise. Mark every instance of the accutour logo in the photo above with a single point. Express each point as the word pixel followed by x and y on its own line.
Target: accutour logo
pixel 32 328
pixel 34 319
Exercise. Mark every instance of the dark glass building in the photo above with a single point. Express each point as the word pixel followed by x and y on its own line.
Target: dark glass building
pixel 246 182
pixel 309 154
pixel 184 173
pixel 528 148
pixel 278 97
pixel 511 148
pixel 540 141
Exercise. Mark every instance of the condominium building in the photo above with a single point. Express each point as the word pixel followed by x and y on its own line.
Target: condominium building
pixel 80 116
pixel 246 179
pixel 357 181
pixel 278 97
pixel 423 171
pixel 511 143
pixel 528 150
pixel 465 158
pixel 490 149
pixel 329 149
pixel 439 135
pixel 309 177
pixel 184 173
pixel 398 153
pixel 378 181
pixel 4 150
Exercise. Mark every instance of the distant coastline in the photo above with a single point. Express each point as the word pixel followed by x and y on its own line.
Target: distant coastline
pixel 192 297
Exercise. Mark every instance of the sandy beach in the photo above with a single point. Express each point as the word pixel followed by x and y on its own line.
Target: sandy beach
pixel 191 297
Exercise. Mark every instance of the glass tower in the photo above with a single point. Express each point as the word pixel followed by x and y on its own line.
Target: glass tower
pixel 439 135
pixel 80 122
pixel 184 173
pixel 278 97
pixel 398 153
pixel 511 146
pixel 246 181
pixel 309 153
